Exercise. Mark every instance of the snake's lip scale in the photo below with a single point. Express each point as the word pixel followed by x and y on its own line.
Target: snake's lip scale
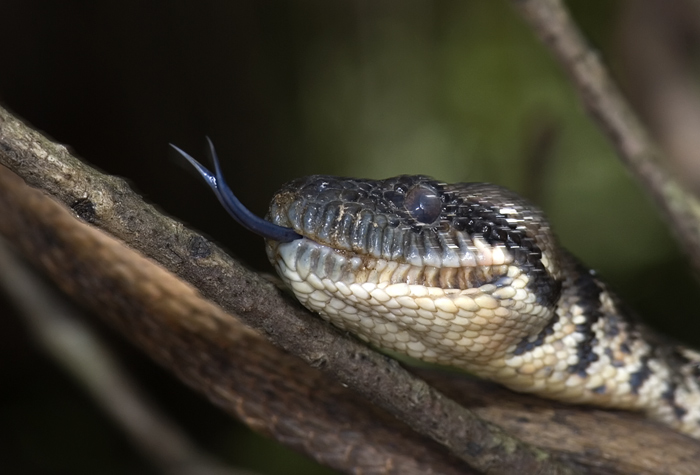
pixel 468 275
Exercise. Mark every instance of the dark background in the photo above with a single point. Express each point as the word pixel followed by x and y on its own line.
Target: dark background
pixel 460 90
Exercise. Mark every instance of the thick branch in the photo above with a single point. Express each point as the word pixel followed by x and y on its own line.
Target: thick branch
pixel 553 24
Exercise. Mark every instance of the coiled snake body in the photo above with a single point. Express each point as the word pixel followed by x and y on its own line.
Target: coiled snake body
pixel 468 275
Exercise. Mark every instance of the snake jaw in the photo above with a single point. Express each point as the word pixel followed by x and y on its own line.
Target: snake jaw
pixel 391 306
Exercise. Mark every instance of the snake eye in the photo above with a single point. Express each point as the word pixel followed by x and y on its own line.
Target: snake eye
pixel 423 204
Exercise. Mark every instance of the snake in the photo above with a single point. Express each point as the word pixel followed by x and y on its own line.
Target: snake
pixel 471 276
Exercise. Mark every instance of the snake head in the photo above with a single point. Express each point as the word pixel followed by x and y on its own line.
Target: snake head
pixel 419 221
pixel 410 263
pixel 419 266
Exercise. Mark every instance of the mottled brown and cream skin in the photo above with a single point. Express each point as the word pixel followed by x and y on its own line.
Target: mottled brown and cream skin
pixel 470 275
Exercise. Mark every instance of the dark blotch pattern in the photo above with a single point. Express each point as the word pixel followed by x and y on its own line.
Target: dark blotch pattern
pixel 639 377
pixel 600 389
pixel 528 345
pixel 588 292
pixel 670 397
pixel 484 218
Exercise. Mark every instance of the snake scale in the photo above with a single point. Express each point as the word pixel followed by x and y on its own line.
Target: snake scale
pixel 467 275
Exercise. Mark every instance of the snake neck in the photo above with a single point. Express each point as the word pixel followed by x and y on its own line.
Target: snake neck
pixel 612 358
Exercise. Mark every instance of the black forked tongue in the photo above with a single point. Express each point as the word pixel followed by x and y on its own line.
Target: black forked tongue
pixel 234 207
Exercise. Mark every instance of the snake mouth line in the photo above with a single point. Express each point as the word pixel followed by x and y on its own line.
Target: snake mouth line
pixel 312 259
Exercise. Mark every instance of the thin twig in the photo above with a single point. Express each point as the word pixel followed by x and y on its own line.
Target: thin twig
pixel 553 24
